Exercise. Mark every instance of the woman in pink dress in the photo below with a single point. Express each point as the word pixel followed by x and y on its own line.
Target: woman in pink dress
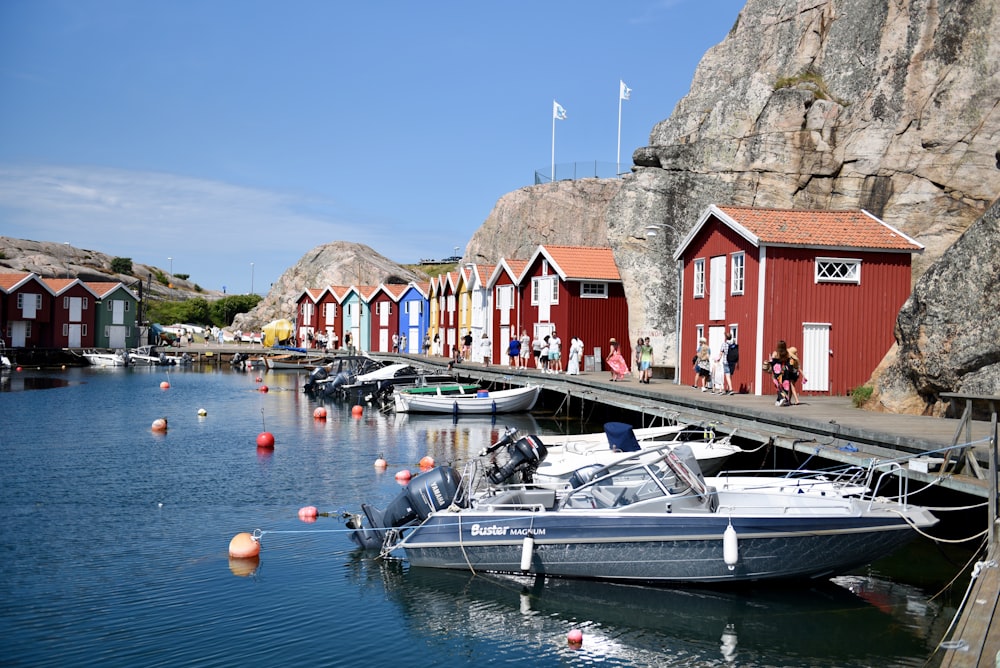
pixel 616 362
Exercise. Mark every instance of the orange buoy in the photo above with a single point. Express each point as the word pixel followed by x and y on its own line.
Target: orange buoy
pixel 575 638
pixel 265 439
pixel 243 546
pixel 164 385
pixel 160 424
pixel 381 463
pixel 357 411
pixel 403 476
pixel 427 462
pixel 263 388
pixel 308 513
pixel 319 413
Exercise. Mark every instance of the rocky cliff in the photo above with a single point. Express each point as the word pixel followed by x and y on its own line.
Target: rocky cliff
pixel 888 105
pixel 335 263
pixel 567 213
pixel 54 260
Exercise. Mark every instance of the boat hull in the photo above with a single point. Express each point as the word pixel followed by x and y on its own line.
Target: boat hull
pixel 503 401
pixel 678 549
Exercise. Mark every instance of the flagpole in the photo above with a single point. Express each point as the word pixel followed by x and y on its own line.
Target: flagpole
pixel 619 168
pixel 558 114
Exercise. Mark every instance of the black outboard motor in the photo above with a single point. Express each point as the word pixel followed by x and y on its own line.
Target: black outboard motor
pixel 428 492
pixel 316 375
pixel 525 456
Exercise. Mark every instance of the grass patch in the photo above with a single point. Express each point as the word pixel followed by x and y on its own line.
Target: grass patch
pixel 861 395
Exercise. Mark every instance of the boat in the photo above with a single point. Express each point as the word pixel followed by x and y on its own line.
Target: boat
pixel 328 380
pixel 5 364
pixel 296 362
pixel 106 359
pixel 566 454
pixel 649 521
pixel 488 402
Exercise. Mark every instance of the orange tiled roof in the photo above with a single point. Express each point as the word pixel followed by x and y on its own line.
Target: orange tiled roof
pixel 58 284
pixel 396 289
pixel 101 288
pixel 586 262
pixel 8 281
pixel 806 227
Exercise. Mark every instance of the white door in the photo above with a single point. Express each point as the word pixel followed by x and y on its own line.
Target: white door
pixel 118 312
pixel 75 335
pixel 75 309
pixel 18 333
pixel 383 340
pixel 545 297
pixel 116 336
pixel 504 344
pixel 815 356
pixel 717 290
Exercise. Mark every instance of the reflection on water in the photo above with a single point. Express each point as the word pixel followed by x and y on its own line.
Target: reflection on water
pixel 636 625
pixel 15 381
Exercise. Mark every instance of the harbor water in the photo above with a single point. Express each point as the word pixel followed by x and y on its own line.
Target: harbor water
pixel 114 549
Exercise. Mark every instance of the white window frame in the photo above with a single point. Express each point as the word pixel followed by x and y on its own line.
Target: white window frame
pixel 737 282
pixel 838 270
pixel 593 290
pixel 535 281
pixel 698 284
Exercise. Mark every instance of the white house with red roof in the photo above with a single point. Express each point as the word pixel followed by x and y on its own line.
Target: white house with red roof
pixel 829 283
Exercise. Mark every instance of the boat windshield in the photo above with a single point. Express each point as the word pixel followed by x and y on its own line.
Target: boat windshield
pixel 625 485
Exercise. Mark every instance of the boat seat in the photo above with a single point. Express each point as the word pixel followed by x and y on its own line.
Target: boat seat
pixel 608 496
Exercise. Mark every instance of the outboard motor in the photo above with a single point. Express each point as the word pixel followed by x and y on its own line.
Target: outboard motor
pixel 426 493
pixel 525 456
pixel 316 375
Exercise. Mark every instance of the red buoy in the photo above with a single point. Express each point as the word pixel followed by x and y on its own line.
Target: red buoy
pixel 160 424
pixel 164 385
pixel 258 379
pixel 319 413
pixel 308 513
pixel 575 638
pixel 243 546
pixel 263 388
pixel 427 462
pixel 403 476
pixel 357 411
pixel 265 439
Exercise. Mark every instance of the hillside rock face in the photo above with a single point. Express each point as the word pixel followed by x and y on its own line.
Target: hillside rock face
pixel 335 263
pixel 888 105
pixel 49 259
pixel 948 331
pixel 564 213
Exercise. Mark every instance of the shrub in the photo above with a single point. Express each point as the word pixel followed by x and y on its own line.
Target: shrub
pixel 861 395
pixel 122 265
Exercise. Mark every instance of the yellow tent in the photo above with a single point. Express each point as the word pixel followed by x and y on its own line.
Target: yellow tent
pixel 277 332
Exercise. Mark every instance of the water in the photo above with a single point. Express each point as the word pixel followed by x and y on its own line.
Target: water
pixel 114 540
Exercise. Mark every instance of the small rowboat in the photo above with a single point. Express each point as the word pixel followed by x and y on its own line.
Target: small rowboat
pixel 482 402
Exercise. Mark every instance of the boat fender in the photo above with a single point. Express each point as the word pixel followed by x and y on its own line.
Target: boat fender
pixel 527 550
pixel 730 547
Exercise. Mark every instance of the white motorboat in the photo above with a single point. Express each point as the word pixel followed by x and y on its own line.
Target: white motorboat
pixel 106 359
pixel 644 521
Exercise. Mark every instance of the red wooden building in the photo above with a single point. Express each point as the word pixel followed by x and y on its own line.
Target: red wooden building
pixel 306 321
pixel 73 313
pixel 576 291
pixel 383 304
pixel 829 283
pixel 26 313
pixel 328 314
pixel 505 322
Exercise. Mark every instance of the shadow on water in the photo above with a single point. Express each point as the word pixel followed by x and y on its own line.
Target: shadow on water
pixel 23 382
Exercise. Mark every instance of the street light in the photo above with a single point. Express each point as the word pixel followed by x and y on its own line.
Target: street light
pixel 251 278
pixel 171 261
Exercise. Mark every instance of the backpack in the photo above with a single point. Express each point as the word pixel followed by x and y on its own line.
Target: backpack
pixel 733 355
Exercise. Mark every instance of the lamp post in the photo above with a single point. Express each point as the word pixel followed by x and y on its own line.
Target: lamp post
pixel 171 261
pixel 251 278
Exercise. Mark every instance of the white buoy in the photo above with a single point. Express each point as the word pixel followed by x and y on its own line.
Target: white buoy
pixel 730 547
pixel 527 549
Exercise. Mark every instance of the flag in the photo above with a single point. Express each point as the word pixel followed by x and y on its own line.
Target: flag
pixel 558 112
pixel 624 92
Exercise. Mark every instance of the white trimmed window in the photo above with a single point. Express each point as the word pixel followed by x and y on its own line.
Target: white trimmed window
pixel 738 273
pixel 594 290
pixel 838 270
pixel 699 277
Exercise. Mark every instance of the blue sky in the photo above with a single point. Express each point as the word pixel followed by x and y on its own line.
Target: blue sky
pixel 223 133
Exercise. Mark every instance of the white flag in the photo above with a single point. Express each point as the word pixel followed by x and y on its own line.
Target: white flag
pixel 624 92
pixel 558 112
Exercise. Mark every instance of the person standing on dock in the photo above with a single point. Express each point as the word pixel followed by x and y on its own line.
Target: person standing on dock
pixel 514 353
pixel 555 353
pixel 702 365
pixel 525 341
pixel 575 353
